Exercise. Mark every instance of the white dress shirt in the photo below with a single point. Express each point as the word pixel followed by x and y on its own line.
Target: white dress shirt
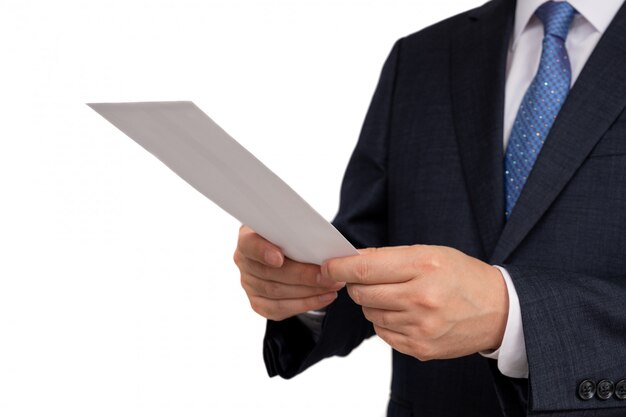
pixel 587 28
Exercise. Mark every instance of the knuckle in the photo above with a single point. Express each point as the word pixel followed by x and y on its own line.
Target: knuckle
pixel 384 319
pixel 243 282
pixel 378 317
pixel 422 352
pixel 273 289
pixel 275 317
pixel 261 271
pixel 423 356
pixel 279 310
pixel 428 355
pixel 266 310
pixel 430 299
pixel 264 287
pixel 361 269
pixel 429 329
pixel 277 307
pixel 247 282
pixel 355 294
pixel 269 309
pixel 386 336
pixel 302 275
pixel 370 315
pixel 430 259
pixel 257 306
pixel 331 268
pixel 380 332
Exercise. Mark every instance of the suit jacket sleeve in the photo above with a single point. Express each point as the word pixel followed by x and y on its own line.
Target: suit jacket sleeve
pixel 575 330
pixel 288 346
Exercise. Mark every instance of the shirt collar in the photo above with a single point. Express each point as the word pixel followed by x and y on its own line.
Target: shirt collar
pixel 598 13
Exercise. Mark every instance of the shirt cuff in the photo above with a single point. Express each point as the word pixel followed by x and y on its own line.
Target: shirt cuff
pixel 511 355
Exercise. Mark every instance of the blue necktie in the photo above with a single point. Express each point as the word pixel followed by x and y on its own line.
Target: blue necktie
pixel 542 101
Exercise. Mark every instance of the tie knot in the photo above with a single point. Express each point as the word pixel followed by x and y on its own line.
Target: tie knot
pixel 556 17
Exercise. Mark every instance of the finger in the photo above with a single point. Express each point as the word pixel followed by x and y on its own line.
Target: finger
pixel 255 286
pixel 281 309
pixel 396 340
pixel 291 273
pixel 403 344
pixel 391 320
pixel 373 266
pixel 252 246
pixel 382 296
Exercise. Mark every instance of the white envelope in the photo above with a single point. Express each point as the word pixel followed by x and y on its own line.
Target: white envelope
pixel 192 145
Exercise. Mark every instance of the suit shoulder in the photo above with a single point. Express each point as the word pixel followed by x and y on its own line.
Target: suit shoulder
pixel 442 31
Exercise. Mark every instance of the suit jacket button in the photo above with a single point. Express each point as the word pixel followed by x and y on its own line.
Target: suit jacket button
pixel 586 390
pixel 620 390
pixel 605 389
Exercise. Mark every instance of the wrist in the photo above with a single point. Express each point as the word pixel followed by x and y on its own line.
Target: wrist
pixel 500 304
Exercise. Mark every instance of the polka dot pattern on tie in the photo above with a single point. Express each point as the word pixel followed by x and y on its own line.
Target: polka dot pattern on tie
pixel 542 101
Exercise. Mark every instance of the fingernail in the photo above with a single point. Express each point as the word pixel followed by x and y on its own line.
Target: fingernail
pixel 328 297
pixel 272 258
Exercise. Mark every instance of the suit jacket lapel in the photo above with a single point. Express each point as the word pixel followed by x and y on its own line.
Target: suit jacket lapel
pixel 595 101
pixel 478 63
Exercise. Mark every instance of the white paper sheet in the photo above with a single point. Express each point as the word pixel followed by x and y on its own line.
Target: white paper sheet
pixel 192 145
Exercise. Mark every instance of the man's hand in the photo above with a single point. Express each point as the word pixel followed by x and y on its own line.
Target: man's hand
pixel 278 287
pixel 429 302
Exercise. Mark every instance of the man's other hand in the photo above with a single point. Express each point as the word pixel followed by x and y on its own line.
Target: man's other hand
pixel 278 287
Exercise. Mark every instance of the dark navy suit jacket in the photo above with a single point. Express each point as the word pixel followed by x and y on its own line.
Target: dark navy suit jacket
pixel 428 169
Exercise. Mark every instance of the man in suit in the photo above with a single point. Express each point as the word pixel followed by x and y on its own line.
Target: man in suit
pixel 500 278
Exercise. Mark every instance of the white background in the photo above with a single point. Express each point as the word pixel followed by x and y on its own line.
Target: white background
pixel 118 295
